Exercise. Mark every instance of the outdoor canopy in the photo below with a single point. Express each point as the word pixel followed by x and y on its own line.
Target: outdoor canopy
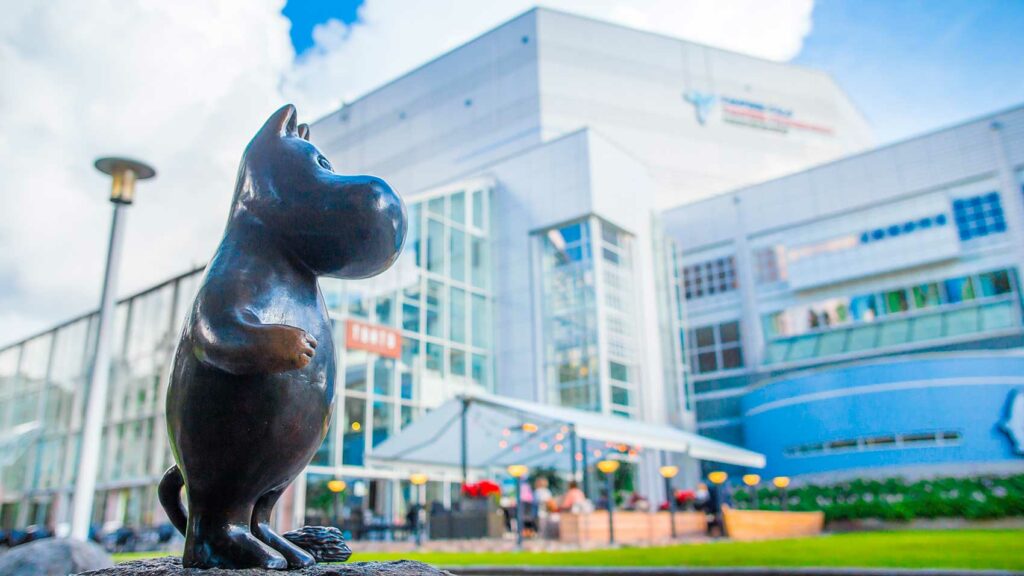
pixel 500 431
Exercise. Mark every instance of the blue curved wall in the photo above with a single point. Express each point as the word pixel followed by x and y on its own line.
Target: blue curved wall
pixel 964 393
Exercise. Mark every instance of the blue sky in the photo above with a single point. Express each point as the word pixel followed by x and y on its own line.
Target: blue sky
pixel 910 65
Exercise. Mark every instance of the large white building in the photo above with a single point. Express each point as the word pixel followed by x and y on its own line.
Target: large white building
pixel 536 161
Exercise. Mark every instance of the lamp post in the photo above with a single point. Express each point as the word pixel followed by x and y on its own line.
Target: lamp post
pixel 418 481
pixel 124 174
pixel 782 482
pixel 608 468
pixel 337 487
pixel 668 473
pixel 752 480
pixel 517 471
pixel 718 478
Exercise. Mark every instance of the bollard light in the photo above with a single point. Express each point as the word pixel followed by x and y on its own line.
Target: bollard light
pixel 517 471
pixel 418 480
pixel 608 468
pixel 668 473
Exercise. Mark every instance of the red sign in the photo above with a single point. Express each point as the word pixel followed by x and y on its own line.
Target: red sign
pixel 373 338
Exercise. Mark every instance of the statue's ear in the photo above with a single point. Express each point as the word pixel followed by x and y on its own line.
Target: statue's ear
pixel 281 123
pixel 304 132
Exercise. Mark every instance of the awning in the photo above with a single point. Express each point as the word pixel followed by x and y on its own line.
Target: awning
pixel 502 431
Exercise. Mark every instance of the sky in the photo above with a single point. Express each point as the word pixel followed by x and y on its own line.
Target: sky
pixel 184 84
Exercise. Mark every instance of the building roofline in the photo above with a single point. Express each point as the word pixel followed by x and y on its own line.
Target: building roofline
pixel 988 116
pixel 540 8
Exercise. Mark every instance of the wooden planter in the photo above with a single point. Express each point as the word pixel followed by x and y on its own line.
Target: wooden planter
pixel 763 524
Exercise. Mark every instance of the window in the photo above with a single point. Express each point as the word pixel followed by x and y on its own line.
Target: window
pixel 716 347
pixel 979 216
pixel 769 265
pixel 882 442
pixel 710 277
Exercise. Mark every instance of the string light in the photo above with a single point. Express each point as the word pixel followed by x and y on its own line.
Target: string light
pixel 559 448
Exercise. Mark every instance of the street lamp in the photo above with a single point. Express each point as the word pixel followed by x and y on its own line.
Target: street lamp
pixel 517 471
pixel 752 480
pixel 124 174
pixel 668 473
pixel 608 468
pixel 782 482
pixel 337 487
pixel 717 478
pixel 418 480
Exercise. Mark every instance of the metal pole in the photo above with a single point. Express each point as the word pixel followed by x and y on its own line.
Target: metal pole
pixel 418 515
pixel 754 504
pixel 337 509
pixel 92 427
pixel 519 513
pixel 611 507
pixel 572 446
pixel 671 505
pixel 586 478
pixel 465 448
pixel 785 499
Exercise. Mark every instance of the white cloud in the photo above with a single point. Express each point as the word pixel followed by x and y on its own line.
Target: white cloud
pixel 184 84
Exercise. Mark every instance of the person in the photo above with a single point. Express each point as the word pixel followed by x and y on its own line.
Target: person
pixel 573 498
pixel 542 493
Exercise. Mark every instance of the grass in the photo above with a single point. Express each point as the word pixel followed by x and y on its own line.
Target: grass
pixel 973 549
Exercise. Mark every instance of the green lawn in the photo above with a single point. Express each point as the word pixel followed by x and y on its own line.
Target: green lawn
pixel 979 549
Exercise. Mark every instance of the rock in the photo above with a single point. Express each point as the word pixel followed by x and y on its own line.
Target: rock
pixel 53 557
pixel 171 566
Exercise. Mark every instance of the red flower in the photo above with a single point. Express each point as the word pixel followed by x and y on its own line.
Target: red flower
pixel 481 489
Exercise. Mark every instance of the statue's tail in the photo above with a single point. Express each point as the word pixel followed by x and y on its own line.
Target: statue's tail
pixel 170 498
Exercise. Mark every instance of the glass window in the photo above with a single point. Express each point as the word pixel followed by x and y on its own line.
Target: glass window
pixel 481 321
pixel 383 376
pixel 435 246
pixel 959 290
pixel 926 295
pixel 705 336
pixel 410 317
pixel 620 396
pixel 383 420
pixel 729 332
pixel 478 262
pixel 979 216
pixel 358 302
pixel 896 301
pixel 732 358
pixel 324 454
pixel 479 369
pixel 457 322
pixel 997 316
pixel 408 414
pixel 435 293
pixel 436 206
pixel 710 277
pixel 412 234
pixel 994 283
pixel 894 332
pixel 355 370
pixel 618 371
pixel 457 208
pixel 434 358
pixel 410 357
pixel 458 255
pixel 478 209
pixel 385 314
pixel 927 327
pixel 353 443
pixel 960 322
pixel 457 362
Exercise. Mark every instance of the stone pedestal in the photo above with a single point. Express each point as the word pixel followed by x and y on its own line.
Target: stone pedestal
pixel 171 566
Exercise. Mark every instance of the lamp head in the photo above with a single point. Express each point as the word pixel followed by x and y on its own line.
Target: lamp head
pixel 781 481
pixel 124 172
pixel 517 470
pixel 418 479
pixel 336 486
pixel 608 466
pixel 668 471
pixel 751 479
pixel 717 477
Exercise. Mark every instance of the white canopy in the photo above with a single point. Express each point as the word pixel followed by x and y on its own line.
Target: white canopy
pixel 502 431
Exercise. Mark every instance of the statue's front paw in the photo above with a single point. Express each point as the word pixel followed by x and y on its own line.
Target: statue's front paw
pixel 289 348
pixel 325 543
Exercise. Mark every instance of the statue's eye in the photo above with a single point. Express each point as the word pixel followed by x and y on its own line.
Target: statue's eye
pixel 324 163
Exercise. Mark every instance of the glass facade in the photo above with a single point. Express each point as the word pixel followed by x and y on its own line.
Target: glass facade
pixel 587 309
pixel 437 297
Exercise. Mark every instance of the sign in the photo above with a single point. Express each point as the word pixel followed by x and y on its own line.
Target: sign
pixel 748 113
pixel 1013 420
pixel 374 338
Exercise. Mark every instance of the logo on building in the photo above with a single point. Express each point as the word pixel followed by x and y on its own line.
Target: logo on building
pixel 749 113
pixel 381 340
pixel 703 104
pixel 1013 420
